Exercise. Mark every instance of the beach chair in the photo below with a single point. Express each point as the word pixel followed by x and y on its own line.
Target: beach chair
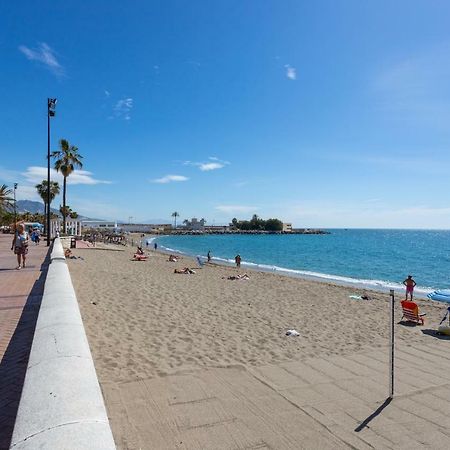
pixel 411 312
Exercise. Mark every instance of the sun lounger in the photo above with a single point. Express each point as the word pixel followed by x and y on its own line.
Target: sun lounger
pixel 411 312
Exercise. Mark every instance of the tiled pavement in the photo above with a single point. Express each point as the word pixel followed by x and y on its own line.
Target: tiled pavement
pixel 20 299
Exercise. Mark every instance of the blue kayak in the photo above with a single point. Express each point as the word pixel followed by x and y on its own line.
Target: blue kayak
pixel 440 296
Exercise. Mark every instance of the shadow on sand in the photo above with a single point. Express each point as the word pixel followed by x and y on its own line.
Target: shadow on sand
pixel 376 413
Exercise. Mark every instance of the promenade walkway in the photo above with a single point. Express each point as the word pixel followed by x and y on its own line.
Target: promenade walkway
pixel 20 299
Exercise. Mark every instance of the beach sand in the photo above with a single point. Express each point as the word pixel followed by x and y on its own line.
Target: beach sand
pixel 146 323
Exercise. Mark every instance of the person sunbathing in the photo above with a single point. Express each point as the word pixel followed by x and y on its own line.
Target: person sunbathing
pixel 139 251
pixel 186 270
pixel 238 277
pixel 172 258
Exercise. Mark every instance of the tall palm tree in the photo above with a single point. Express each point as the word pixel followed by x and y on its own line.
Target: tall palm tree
pixel 5 200
pixel 175 215
pixel 42 191
pixel 67 159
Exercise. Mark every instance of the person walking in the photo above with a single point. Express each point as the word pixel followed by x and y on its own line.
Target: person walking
pixel 209 255
pixel 237 259
pixel 20 245
pixel 155 246
pixel 410 284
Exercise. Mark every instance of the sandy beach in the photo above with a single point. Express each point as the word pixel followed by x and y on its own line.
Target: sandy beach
pixel 146 323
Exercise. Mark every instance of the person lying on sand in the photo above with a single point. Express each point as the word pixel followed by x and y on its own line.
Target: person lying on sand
pixel 238 277
pixel 172 258
pixel 186 270
pixel 69 255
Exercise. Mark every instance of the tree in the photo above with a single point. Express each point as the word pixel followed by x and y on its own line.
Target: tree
pixel 273 225
pixel 65 211
pixel 175 215
pixel 42 191
pixel 5 200
pixel 67 159
pixel 74 215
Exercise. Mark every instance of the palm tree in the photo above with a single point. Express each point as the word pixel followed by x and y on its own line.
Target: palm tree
pixel 5 200
pixel 42 191
pixel 67 159
pixel 65 211
pixel 175 215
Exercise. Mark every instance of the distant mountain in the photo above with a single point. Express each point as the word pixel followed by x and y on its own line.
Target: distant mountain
pixel 32 207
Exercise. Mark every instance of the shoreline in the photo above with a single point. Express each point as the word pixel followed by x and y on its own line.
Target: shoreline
pixel 166 345
pixel 373 285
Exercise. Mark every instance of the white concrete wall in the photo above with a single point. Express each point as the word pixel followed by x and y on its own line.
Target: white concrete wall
pixel 61 405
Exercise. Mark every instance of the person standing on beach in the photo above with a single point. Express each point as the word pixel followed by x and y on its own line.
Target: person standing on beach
pixel 410 284
pixel 209 255
pixel 155 246
pixel 20 245
pixel 237 259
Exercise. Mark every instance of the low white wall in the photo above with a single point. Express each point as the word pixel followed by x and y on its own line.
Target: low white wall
pixel 61 404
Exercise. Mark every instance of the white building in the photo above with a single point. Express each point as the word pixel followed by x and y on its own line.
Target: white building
pixel 287 227
pixel 99 224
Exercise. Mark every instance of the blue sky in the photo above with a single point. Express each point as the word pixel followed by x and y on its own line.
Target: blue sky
pixel 324 114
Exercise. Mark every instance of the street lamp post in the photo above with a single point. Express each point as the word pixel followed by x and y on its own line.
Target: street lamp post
pixel 15 211
pixel 51 105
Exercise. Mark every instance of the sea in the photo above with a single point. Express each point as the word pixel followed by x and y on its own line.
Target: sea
pixel 373 259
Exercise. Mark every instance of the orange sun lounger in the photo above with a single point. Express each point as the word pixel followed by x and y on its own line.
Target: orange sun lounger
pixel 411 312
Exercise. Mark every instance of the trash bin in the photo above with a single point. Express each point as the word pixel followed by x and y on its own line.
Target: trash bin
pixel 73 243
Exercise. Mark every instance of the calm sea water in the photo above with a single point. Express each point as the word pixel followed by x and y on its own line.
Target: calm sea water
pixel 373 258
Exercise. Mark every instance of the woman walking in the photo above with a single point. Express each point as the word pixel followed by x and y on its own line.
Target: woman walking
pixel 20 244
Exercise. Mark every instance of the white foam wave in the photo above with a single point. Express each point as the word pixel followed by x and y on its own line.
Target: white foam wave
pixel 379 285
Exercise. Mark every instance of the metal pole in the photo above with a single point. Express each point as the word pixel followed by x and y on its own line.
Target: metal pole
pixel 391 353
pixel 48 172
pixel 15 211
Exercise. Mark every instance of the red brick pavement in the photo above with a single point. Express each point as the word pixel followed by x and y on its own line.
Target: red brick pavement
pixel 20 300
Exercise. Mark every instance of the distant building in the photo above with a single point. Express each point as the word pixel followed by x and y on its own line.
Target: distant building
pixel 194 224
pixel 287 227
pixel 98 224
pixel 216 228
pixel 145 228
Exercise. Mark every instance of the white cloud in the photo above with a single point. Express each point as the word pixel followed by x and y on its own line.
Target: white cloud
pixel 205 167
pixel 45 55
pixel 35 174
pixel 123 108
pixel 27 192
pixel 107 93
pixel 170 178
pixel 291 72
pixel 208 166
pixel 231 209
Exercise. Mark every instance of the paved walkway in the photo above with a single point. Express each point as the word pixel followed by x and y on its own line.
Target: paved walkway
pixel 326 403
pixel 20 299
